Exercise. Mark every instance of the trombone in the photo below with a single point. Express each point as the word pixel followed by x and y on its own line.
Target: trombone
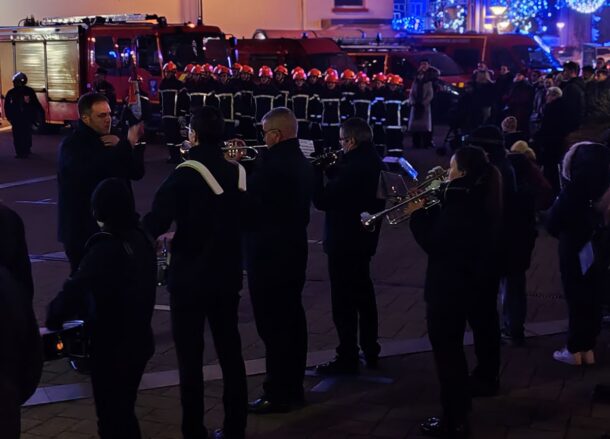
pixel 423 196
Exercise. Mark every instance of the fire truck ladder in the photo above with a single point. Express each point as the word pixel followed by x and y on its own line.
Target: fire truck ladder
pixel 99 19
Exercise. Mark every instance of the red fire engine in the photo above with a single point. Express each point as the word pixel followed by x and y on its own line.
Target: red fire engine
pixel 61 55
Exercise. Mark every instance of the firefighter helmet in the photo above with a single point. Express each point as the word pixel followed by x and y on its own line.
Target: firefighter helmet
pixel 362 77
pixel 331 70
pixel 169 67
pixel 395 80
pixel 247 69
pixel 315 73
pixel 380 77
pixel 236 67
pixel 188 68
pixel 331 77
pixel 221 70
pixel 265 72
pixel 297 69
pixel 348 74
pixel 299 76
pixel 207 68
pixel 196 70
pixel 20 78
pixel 281 69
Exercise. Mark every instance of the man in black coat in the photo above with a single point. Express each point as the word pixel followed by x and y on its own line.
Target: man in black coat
pixel 204 197
pixel 573 89
pixel 351 188
pixel 86 157
pixel 280 189
pixel 22 110
pixel 114 288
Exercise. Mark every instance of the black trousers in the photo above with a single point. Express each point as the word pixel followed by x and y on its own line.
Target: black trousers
pixel 353 305
pixel 22 139
pixel 483 318
pixel 276 289
pixel 115 384
pixel 171 134
pixel 75 251
pixel 188 322
pixel 446 325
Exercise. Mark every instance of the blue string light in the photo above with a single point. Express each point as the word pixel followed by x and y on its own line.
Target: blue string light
pixel 585 6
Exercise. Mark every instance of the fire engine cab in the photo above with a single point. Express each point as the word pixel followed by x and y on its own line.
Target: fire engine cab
pixel 60 56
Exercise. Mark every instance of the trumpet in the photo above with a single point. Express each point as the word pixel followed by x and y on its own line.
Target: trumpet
pixel 234 149
pixel 327 159
pixel 423 196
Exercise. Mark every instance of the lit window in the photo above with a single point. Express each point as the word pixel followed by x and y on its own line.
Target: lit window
pixel 349 3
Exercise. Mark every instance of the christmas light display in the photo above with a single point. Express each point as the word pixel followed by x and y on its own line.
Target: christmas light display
pixel 410 24
pixel 525 15
pixel 585 6
pixel 449 15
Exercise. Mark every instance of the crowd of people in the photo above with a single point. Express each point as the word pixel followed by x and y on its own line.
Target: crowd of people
pixel 221 219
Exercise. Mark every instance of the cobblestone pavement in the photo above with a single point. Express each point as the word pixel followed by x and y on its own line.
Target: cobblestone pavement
pixel 539 397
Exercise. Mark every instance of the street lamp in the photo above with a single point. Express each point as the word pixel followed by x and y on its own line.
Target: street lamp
pixel 560 25
pixel 496 12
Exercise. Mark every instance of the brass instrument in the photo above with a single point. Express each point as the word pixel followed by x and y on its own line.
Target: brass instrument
pixel 327 159
pixel 234 149
pixel 423 196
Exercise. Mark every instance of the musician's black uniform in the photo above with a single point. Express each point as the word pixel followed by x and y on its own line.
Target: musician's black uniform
pixel 280 190
pixel 350 189
pixel 114 287
pixel 169 91
pixel 205 277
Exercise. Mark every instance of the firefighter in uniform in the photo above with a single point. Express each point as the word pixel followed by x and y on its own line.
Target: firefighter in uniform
pixel 245 105
pixel 300 97
pixel 378 112
pixel 204 197
pixel 363 97
pixel 282 82
pixel 348 84
pixel 102 86
pixel 194 90
pixel 397 115
pixel 225 100
pixel 169 89
pixel 315 111
pixel 208 83
pixel 266 95
pixel 22 110
pixel 330 97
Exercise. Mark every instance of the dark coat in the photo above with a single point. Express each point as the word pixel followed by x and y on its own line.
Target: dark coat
pixel 520 104
pixel 206 249
pixel 22 106
pixel 549 141
pixel 351 189
pixel 83 163
pixel 598 101
pixel 13 249
pixel 574 100
pixel 115 287
pixel 280 190
pixel 458 240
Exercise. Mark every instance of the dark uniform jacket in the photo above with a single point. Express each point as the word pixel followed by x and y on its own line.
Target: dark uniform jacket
pixel 169 91
pixel 350 190
pixel 458 240
pixel 279 197
pixel 83 163
pixel 574 100
pixel 206 249
pixel 115 286
pixel 22 106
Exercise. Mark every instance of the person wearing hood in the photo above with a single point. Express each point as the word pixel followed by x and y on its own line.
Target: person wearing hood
pixel 114 289
pixel 576 222
pixel 21 354
pixel 573 88
pixel 88 156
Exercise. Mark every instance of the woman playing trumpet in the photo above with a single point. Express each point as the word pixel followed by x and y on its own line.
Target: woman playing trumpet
pixel 458 237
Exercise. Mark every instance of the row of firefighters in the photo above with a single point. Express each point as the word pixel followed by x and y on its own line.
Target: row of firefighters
pixel 321 102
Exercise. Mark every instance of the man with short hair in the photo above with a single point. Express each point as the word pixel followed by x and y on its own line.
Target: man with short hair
pixel 86 157
pixel 280 190
pixel 204 197
pixel 351 188
pixel 573 88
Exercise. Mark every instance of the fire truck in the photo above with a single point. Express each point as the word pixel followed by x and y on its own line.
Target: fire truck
pixel 60 56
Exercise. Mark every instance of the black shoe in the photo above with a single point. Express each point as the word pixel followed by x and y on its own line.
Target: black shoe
pixel 435 427
pixel 512 338
pixel 220 434
pixel 338 367
pixel 263 406
pixel 483 388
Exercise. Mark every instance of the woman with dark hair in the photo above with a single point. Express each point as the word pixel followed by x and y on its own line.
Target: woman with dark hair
pixel 459 240
pixel 114 287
